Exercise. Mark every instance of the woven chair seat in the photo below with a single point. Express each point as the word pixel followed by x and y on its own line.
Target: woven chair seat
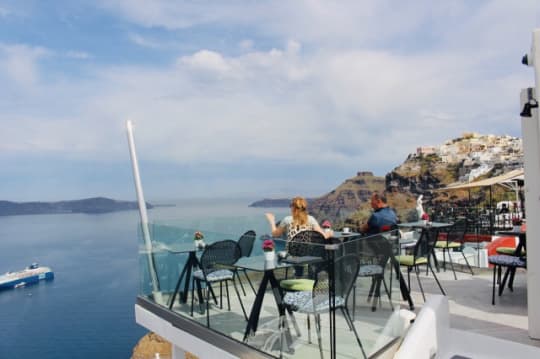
pixel 509 250
pixel 370 270
pixel 408 260
pixel 303 302
pixel 222 274
pixel 445 244
pixel 296 285
pixel 507 261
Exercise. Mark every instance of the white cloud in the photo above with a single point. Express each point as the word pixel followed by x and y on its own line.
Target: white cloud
pixel 19 63
pixel 246 44
pixel 359 84
pixel 4 12
pixel 145 41
pixel 206 61
pixel 80 55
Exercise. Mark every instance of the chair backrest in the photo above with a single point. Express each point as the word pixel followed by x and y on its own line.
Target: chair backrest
pixel 456 233
pixel 345 272
pixel 375 249
pixel 246 243
pixel 307 243
pixel 219 254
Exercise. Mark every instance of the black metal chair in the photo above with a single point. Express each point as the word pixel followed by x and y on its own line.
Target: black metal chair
pixel 455 237
pixel 216 261
pixel 317 301
pixel 511 263
pixel 422 254
pixel 305 243
pixel 246 247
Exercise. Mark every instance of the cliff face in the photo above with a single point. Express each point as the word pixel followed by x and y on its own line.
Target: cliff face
pixel 351 196
pixel 471 157
pixel 150 345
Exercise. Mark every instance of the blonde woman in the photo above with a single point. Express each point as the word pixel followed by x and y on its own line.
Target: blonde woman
pixel 298 221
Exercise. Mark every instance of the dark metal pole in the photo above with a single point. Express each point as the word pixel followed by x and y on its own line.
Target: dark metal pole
pixel 491 212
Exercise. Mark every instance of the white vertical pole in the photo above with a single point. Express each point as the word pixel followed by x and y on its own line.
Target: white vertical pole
pixel 531 146
pixel 144 216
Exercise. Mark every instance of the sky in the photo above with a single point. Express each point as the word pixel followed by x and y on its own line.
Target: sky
pixel 246 98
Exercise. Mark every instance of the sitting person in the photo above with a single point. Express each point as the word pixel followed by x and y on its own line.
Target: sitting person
pixel 382 218
pixel 298 221
pixel 504 209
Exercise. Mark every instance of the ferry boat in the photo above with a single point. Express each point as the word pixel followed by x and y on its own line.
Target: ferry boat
pixel 30 275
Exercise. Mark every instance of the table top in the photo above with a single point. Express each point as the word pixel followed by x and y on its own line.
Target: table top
pixel 259 264
pixel 421 224
pixel 182 248
pixel 343 235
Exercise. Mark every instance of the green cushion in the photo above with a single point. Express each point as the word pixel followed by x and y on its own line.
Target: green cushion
pixel 443 244
pixel 297 284
pixel 508 250
pixel 407 260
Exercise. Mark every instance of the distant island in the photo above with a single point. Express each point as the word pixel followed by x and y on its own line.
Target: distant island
pixel 89 205
pixel 274 203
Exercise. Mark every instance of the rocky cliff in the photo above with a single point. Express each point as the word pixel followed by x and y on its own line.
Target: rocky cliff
pixel 150 345
pixel 470 157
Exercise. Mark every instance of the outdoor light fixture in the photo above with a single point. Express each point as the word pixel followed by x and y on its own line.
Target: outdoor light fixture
pixel 527 60
pixel 527 109
pixel 531 103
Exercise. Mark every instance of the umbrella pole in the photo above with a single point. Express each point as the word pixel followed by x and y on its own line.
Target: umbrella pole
pixel 492 213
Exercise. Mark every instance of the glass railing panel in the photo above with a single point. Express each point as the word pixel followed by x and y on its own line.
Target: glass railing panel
pixel 375 297
pixel 326 276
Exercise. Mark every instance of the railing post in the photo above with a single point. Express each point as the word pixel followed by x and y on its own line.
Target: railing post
pixel 331 250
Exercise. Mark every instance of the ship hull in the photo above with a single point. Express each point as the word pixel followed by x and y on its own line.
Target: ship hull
pixel 23 278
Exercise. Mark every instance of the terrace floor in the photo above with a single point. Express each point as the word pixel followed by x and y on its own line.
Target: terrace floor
pixel 369 324
pixel 470 304
pixel 470 309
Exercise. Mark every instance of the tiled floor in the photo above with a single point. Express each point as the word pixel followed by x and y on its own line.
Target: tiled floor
pixel 369 324
pixel 470 307
pixel 470 304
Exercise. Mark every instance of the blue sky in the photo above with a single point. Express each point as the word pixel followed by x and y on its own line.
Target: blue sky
pixel 246 98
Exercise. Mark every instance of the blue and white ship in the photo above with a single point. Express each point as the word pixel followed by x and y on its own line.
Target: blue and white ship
pixel 30 275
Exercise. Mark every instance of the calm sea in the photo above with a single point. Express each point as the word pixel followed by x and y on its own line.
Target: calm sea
pixel 87 311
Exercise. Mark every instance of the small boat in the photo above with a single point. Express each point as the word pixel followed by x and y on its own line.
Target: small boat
pixel 30 275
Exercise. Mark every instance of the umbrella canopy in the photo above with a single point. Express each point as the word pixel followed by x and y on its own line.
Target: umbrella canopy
pixel 507 180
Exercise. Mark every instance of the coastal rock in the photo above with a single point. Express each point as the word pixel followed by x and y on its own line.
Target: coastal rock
pixel 274 203
pixel 88 205
pixel 347 199
pixel 271 203
pixel 470 157
pixel 149 345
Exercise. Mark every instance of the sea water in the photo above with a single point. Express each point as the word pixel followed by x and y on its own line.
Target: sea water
pixel 87 311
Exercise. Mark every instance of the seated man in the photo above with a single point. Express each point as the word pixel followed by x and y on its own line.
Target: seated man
pixel 383 216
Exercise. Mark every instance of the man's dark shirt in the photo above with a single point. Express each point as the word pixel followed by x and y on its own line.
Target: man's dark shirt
pixel 381 217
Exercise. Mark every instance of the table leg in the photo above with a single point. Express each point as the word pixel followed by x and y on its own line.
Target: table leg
pixel 177 287
pixel 405 293
pixel 190 263
pixel 278 295
pixel 253 319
